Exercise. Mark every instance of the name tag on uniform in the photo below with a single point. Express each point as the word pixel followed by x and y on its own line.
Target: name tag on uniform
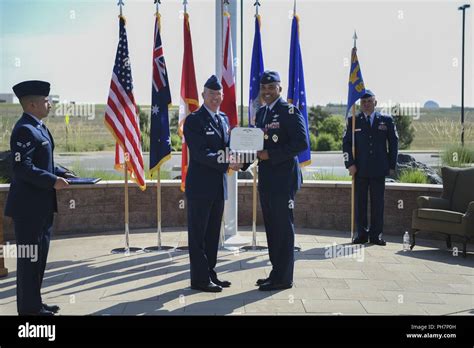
pixel 210 133
pixel 273 125
pixel 357 130
pixel 44 143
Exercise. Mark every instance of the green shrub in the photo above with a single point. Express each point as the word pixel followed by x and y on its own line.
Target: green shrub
pixel 413 176
pixel 176 142
pixel 333 125
pixel 325 142
pixel 313 141
pixel 145 142
pixel 4 180
pixel 331 176
pixel 457 156
pixel 316 115
pixel 405 129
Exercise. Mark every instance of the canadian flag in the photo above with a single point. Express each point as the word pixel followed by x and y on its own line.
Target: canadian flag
pixel 229 105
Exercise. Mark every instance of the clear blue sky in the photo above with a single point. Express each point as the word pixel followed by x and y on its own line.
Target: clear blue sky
pixel 408 49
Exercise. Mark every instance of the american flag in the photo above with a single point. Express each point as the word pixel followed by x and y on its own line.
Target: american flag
pixel 121 112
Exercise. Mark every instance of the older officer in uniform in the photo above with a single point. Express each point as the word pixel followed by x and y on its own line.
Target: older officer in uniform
pixel 279 178
pixel 207 135
pixel 376 147
pixel 32 197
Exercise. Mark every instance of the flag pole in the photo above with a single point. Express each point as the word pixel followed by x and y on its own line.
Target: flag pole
pixel 254 208
pixel 127 250
pixel 353 151
pixel 159 246
pixel 127 218
pixel 226 21
pixel 184 247
pixel 254 246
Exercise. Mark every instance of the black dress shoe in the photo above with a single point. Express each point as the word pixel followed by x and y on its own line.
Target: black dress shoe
pixel 209 287
pixel 43 312
pixel 378 242
pixel 222 283
pixel 52 308
pixel 269 286
pixel 261 281
pixel 360 240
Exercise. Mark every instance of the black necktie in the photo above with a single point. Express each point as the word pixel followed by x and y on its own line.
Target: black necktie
pixel 267 110
pixel 218 121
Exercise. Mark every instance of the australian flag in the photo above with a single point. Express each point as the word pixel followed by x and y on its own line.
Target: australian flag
pixel 256 71
pixel 296 87
pixel 356 82
pixel 160 141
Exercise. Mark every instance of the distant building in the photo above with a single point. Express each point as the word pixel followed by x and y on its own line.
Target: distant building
pixel 430 104
pixel 6 98
pixel 54 98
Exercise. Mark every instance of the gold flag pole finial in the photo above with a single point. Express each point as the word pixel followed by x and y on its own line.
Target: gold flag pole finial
pixel 157 3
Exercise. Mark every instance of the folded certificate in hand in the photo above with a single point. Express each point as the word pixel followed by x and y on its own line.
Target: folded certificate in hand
pixel 82 181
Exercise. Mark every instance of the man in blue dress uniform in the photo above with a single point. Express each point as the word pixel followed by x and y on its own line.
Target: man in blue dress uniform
pixel 207 134
pixel 31 200
pixel 376 148
pixel 279 177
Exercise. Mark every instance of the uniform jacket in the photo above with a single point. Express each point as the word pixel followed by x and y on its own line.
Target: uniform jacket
pixel 376 146
pixel 32 192
pixel 207 142
pixel 285 138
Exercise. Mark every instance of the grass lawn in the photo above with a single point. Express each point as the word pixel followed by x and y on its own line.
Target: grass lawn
pixel 434 130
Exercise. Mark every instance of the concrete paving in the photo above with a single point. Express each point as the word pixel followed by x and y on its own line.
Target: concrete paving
pixel 331 278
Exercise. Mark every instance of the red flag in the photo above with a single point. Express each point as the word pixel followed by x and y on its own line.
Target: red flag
pixel 229 105
pixel 121 114
pixel 189 101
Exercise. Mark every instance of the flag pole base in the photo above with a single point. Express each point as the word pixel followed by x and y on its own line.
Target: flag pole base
pixel 258 248
pixel 228 248
pixel 131 250
pixel 158 248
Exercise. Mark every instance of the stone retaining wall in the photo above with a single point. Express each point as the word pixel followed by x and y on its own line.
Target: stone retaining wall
pixel 319 205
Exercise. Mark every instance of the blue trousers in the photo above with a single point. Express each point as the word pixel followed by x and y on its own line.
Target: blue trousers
pixel 277 209
pixel 31 234
pixel 376 187
pixel 204 226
